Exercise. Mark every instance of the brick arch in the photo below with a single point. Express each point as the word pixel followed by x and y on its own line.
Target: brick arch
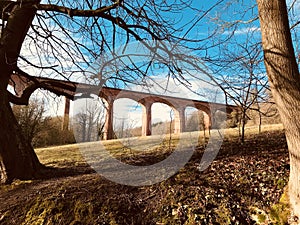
pixel 146 100
pixel 70 89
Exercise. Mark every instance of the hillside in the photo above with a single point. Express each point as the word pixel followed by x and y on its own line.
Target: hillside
pixel 241 186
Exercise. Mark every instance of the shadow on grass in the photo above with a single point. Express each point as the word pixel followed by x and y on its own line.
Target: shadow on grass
pixel 262 145
pixel 68 170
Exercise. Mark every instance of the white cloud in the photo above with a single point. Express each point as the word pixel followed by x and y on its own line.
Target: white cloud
pixel 243 31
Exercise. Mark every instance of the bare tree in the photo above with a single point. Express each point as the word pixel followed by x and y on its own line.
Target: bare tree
pixel 284 78
pixel 89 122
pixel 126 127
pixel 241 71
pixel 195 121
pixel 30 118
pixel 61 39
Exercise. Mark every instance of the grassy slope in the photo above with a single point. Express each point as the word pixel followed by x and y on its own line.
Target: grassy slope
pixel 243 180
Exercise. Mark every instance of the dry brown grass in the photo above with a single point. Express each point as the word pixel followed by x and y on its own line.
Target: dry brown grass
pixel 138 145
pixel 243 176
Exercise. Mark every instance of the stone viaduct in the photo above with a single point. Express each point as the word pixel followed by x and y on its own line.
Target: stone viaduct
pixel 74 90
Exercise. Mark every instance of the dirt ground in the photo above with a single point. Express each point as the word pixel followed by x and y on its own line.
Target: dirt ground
pixel 241 186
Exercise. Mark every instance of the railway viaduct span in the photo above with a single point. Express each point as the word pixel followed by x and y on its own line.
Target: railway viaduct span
pixel 74 90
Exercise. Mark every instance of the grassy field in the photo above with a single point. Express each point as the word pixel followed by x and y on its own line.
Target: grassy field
pixel 243 185
pixel 139 145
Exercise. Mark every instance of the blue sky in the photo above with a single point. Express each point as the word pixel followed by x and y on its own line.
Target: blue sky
pixel 222 17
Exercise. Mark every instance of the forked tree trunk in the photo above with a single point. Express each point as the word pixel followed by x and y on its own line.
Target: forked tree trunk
pixel 284 80
pixel 17 158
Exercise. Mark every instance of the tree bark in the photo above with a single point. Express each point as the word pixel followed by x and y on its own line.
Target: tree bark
pixel 284 79
pixel 243 121
pixel 17 158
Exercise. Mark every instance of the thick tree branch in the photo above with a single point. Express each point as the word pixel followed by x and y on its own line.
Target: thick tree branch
pixel 13 35
pixel 24 98
pixel 101 12
pixel 77 12
pixel 25 84
pixel 55 87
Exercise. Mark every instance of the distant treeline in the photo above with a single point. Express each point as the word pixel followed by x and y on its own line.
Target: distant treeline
pixel 87 126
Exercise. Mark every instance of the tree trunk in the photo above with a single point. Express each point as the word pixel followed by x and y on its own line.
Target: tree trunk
pixel 84 129
pixel 17 157
pixel 243 120
pixel 259 118
pixel 284 80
